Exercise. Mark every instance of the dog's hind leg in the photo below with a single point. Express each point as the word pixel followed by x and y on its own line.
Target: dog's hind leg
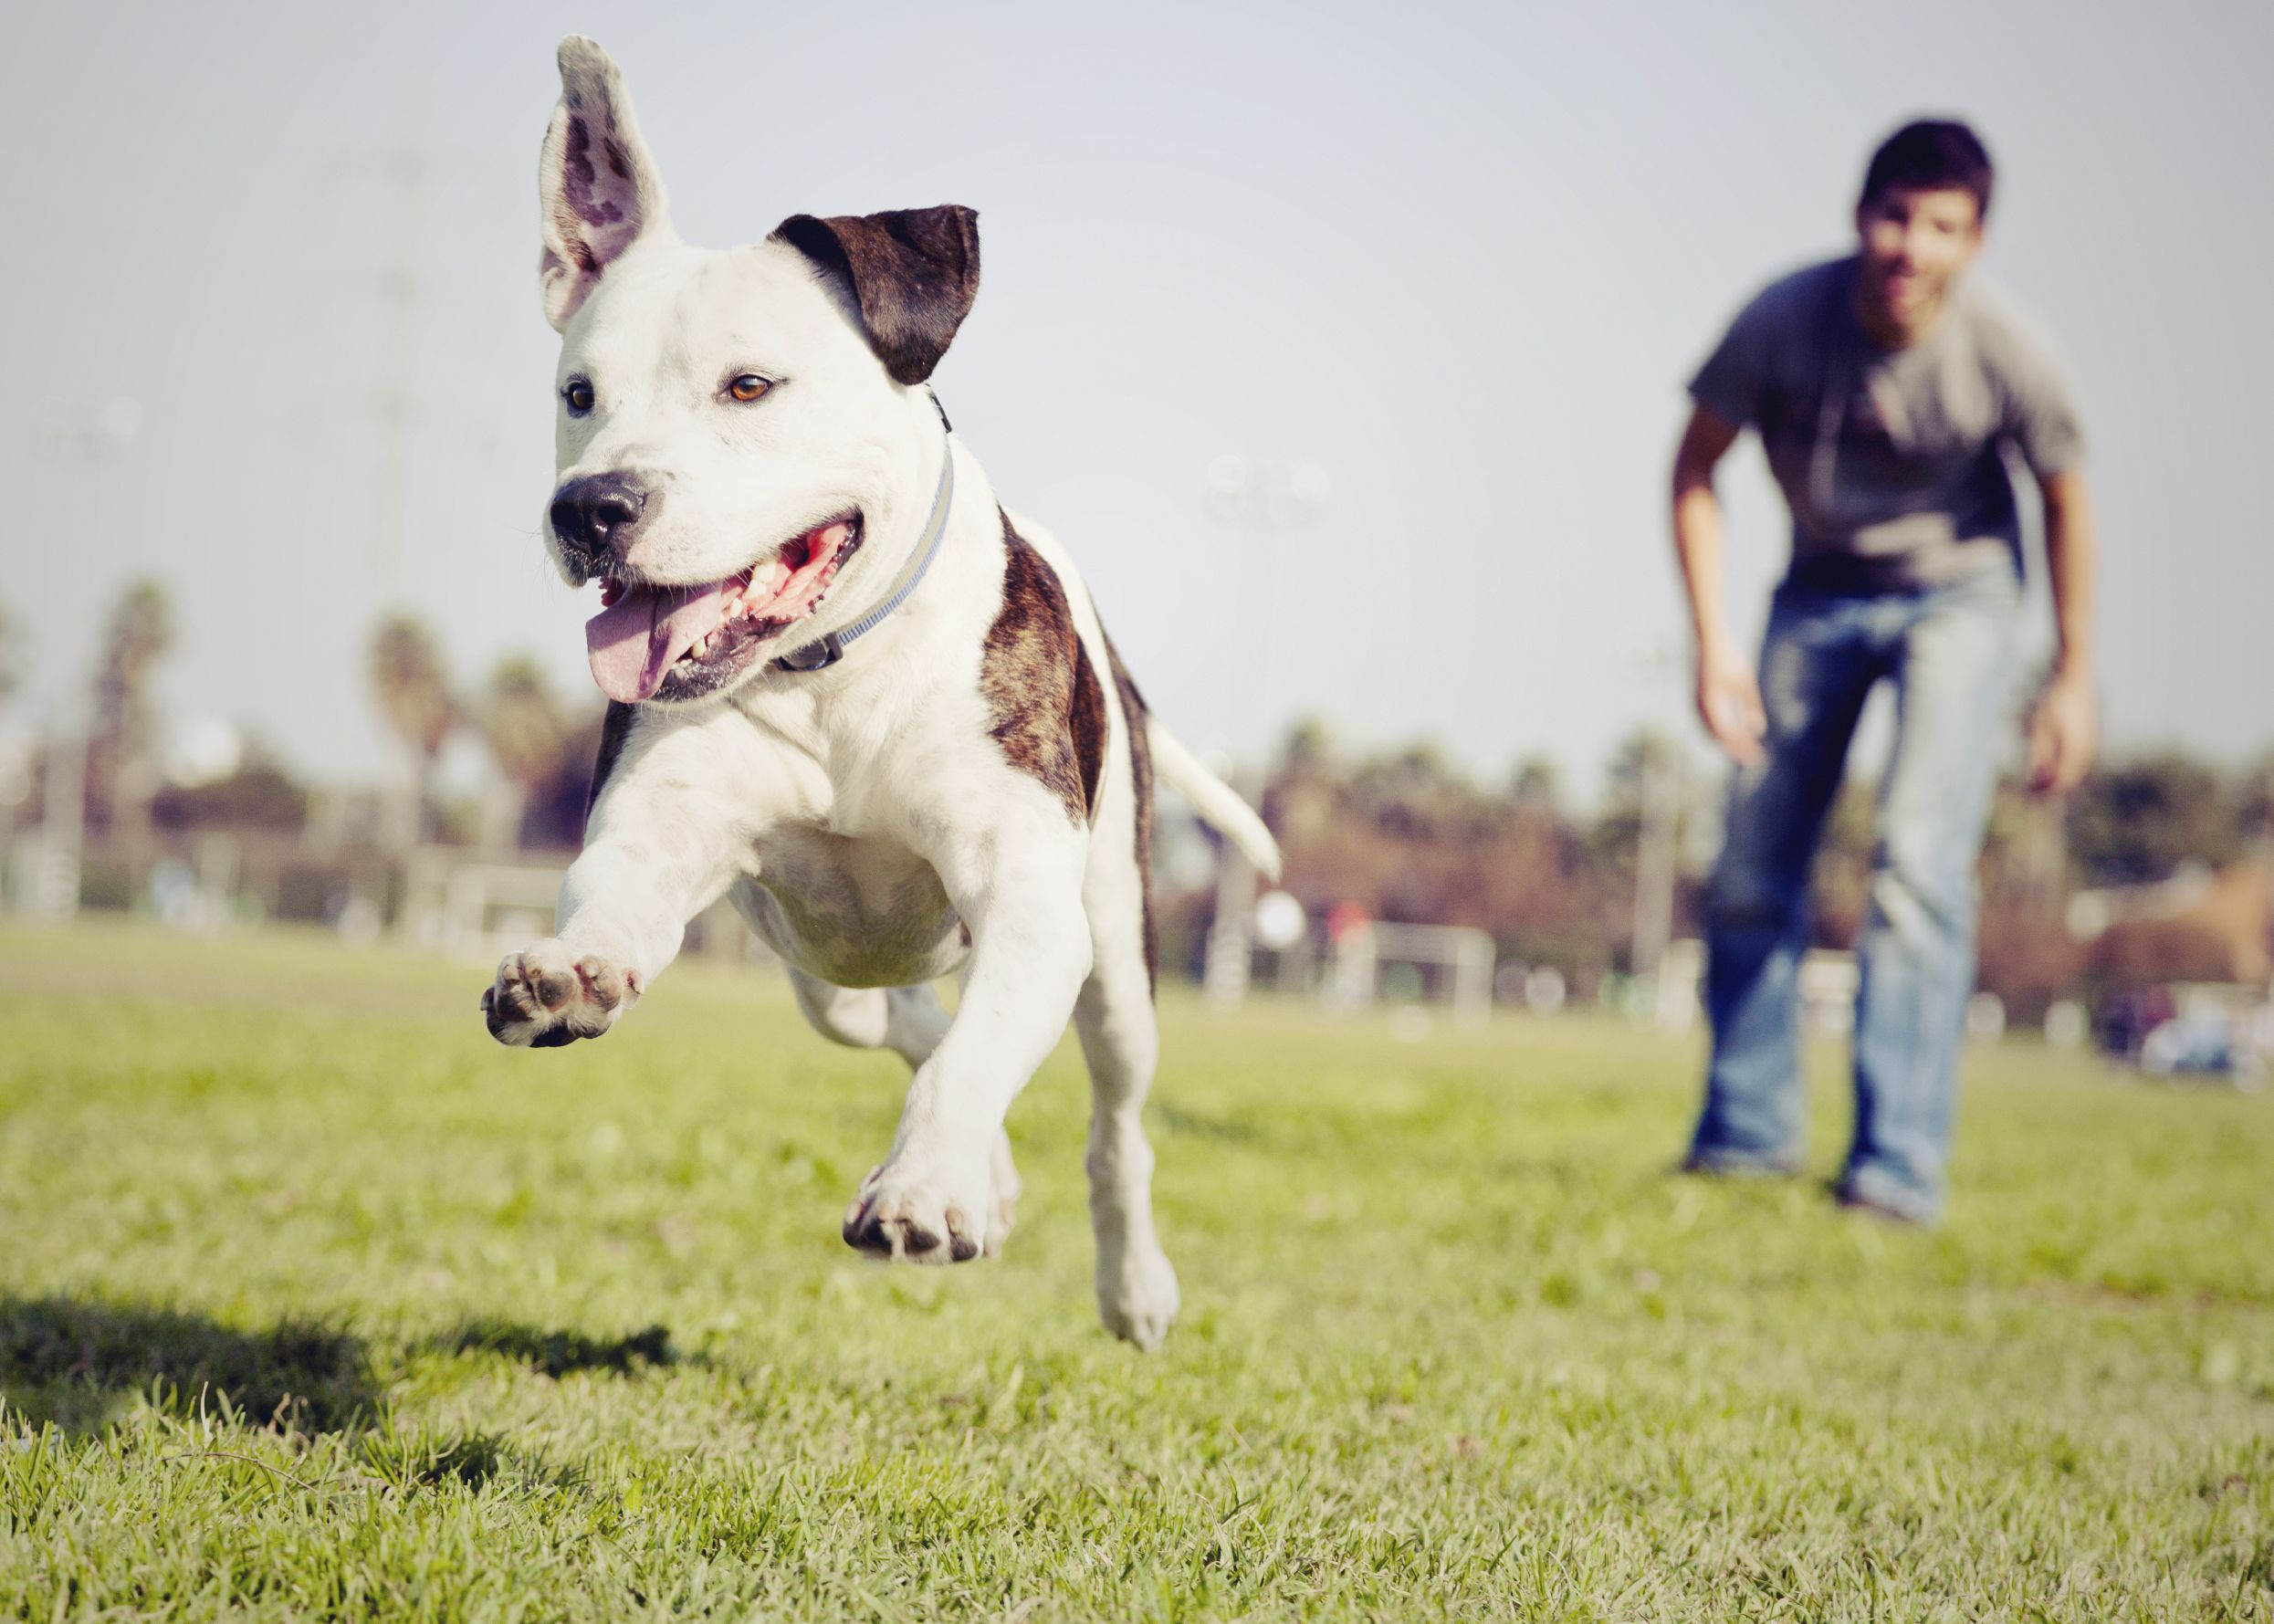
pixel 1136 1288
pixel 910 1022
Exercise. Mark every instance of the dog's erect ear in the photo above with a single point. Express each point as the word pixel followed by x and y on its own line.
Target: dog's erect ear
pixel 913 272
pixel 596 186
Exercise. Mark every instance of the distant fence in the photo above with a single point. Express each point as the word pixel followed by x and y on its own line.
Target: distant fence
pixel 452 898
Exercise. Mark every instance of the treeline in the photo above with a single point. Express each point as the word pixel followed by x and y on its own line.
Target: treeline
pixel 540 745
pixel 1409 836
pixel 1405 833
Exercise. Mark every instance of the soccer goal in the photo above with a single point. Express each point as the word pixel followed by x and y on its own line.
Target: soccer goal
pixel 1449 964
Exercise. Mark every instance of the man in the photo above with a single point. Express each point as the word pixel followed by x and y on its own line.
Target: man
pixel 1888 389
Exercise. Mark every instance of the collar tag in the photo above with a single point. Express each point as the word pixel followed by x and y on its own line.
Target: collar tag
pixel 814 656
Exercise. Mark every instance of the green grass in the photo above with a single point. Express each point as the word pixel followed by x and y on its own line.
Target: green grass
pixel 313 1303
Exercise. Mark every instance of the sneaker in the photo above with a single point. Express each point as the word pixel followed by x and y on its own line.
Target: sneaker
pixel 1883 1199
pixel 1740 1164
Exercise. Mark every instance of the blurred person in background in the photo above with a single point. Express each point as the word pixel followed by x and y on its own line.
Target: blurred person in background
pixel 1890 388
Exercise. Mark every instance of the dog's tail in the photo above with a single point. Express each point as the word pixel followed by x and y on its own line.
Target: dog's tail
pixel 1218 803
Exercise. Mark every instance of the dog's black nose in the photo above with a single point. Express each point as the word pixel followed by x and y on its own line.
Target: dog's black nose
pixel 594 516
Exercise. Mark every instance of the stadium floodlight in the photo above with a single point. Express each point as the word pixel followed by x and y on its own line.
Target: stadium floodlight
pixel 1264 499
pixel 86 437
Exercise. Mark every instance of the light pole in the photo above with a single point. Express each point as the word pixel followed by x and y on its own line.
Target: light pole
pixel 1661 792
pixel 86 439
pixel 1264 499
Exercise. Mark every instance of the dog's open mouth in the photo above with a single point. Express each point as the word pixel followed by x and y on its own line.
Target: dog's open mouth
pixel 683 642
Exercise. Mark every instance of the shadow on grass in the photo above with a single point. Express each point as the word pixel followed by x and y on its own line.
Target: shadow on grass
pixel 407 1461
pixel 557 1353
pixel 1200 1126
pixel 73 1363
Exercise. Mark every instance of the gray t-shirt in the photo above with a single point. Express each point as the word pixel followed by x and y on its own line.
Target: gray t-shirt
pixel 1893 461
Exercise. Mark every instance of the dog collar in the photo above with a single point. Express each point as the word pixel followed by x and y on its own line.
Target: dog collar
pixel 827 651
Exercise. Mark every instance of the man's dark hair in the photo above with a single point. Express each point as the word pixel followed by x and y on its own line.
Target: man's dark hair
pixel 1931 155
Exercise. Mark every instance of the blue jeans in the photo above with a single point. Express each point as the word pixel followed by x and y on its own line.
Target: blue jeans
pixel 1952 652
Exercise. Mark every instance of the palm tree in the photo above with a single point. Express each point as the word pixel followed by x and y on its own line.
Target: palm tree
pixel 122 774
pixel 413 691
pixel 527 733
pixel 12 790
pixel 10 668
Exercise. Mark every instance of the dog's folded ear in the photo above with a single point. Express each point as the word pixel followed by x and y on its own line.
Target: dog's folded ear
pixel 596 186
pixel 913 272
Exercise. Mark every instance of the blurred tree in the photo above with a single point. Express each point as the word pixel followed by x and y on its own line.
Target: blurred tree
pixel 2254 805
pixel 527 732
pixel 2135 821
pixel 2023 950
pixel 413 690
pixel 1309 744
pixel 261 793
pixel 122 765
pixel 1537 781
pixel 1407 836
pixel 553 816
pixel 1416 792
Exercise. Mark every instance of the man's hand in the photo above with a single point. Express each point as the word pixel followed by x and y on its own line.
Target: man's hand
pixel 1729 699
pixel 1729 704
pixel 2062 727
pixel 2063 733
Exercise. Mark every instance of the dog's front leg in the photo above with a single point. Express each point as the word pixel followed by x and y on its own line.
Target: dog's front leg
pixel 1018 885
pixel 660 850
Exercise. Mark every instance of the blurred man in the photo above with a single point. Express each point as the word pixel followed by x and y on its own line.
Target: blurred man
pixel 1888 389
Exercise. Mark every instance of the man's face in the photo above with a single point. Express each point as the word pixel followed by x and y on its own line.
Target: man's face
pixel 1912 241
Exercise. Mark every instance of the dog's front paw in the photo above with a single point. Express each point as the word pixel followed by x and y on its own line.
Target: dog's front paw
pixel 547 997
pixel 925 1210
pixel 1136 1293
pixel 1007 1186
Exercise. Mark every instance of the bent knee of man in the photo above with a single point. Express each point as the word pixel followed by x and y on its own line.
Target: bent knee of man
pixel 1922 897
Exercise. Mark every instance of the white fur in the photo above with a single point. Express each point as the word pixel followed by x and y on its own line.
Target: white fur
pixel 861 817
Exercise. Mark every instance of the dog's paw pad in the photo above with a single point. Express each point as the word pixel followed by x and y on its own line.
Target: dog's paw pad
pixel 914 1222
pixel 542 997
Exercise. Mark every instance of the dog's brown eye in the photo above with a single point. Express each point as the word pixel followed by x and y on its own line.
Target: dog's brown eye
pixel 747 386
pixel 578 392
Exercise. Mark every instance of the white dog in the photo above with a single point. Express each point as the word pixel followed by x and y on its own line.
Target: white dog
pixel 845 689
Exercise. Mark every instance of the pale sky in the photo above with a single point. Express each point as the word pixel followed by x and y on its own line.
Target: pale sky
pixel 1463 258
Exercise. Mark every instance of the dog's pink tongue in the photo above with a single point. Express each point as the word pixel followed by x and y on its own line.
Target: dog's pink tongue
pixel 637 638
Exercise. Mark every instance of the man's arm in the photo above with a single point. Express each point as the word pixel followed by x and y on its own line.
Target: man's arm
pixel 2062 731
pixel 1728 696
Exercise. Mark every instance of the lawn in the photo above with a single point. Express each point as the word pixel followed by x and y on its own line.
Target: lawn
pixel 314 1302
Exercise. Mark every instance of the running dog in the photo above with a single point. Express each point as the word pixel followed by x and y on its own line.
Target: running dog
pixel 846 689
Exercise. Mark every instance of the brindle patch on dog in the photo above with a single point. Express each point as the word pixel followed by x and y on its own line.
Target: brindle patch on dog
pixel 1045 706
pixel 1141 786
pixel 615 729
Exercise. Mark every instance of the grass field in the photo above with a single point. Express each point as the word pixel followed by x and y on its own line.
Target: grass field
pixel 314 1303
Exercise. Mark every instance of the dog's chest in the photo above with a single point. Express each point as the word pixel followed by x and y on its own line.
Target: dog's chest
pixel 856 911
